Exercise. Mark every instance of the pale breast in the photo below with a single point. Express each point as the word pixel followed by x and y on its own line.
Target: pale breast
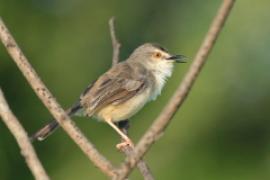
pixel 161 72
pixel 125 110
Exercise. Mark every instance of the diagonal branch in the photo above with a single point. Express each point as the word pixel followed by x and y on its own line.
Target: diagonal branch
pixel 22 139
pixel 160 124
pixel 142 166
pixel 52 105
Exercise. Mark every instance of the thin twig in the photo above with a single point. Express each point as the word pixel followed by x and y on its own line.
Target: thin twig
pixel 115 43
pixel 142 166
pixel 159 125
pixel 22 139
pixel 50 102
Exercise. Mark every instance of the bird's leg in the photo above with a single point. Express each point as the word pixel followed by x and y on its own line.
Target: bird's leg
pixel 127 140
pixel 123 126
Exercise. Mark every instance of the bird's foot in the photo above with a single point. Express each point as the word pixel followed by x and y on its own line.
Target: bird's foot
pixel 125 143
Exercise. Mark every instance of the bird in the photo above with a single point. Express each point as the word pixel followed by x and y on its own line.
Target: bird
pixel 123 90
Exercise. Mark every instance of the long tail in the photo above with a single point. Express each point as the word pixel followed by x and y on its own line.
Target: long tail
pixel 48 129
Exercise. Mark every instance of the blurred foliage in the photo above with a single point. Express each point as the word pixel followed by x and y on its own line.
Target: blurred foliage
pixel 221 132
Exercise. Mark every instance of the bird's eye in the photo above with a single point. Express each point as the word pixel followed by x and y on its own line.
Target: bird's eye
pixel 157 55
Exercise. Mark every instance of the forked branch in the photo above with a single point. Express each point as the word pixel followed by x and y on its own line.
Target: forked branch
pixel 163 120
pixel 159 125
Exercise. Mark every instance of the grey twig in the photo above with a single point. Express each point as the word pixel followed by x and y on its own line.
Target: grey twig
pixel 22 139
pixel 115 43
pixel 50 102
pixel 159 125
pixel 142 166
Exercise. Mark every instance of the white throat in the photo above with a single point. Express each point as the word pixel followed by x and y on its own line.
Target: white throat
pixel 161 71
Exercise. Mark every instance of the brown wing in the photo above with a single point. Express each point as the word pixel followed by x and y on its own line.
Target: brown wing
pixel 114 87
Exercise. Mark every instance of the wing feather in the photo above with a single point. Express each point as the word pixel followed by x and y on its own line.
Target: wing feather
pixel 114 87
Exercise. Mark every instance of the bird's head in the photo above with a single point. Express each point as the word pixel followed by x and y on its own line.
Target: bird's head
pixel 152 54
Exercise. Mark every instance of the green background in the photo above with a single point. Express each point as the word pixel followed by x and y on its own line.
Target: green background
pixel 221 132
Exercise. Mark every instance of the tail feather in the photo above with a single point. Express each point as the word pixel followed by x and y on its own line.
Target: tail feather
pixel 44 132
pixel 48 129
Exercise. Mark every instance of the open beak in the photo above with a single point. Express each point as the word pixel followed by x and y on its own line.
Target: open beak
pixel 177 58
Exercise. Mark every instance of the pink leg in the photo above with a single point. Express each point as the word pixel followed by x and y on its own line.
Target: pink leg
pixel 127 140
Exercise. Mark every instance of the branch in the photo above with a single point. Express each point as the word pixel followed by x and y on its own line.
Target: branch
pixel 115 43
pixel 52 105
pixel 21 137
pixel 160 124
pixel 142 166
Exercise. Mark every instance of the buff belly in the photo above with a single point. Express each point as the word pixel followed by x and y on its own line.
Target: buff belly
pixel 125 110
